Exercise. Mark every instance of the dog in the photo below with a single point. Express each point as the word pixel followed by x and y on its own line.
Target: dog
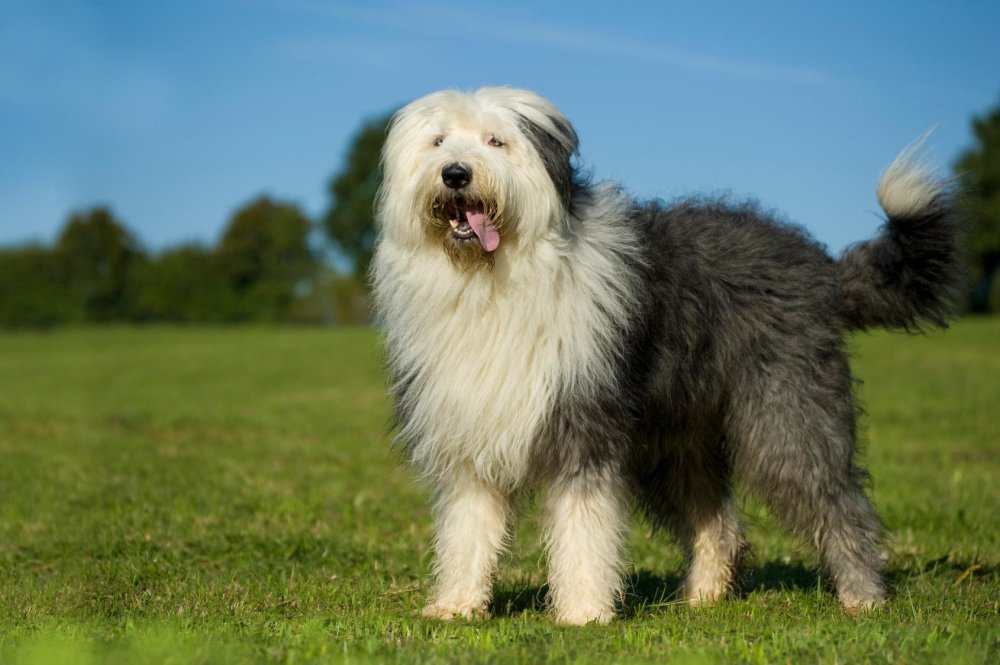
pixel 547 332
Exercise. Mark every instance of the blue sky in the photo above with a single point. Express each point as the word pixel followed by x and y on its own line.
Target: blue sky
pixel 176 113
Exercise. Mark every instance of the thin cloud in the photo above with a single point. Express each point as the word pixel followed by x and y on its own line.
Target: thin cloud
pixel 447 21
pixel 594 44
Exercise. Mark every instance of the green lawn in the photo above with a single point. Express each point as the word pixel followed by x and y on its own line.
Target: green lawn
pixel 212 495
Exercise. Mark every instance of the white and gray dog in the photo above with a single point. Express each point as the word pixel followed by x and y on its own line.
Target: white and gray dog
pixel 544 331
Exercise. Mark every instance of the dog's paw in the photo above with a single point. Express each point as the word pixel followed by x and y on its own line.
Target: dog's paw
pixel 858 606
pixel 443 611
pixel 705 592
pixel 857 601
pixel 704 597
pixel 581 616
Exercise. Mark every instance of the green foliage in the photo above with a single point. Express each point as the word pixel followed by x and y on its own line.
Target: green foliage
pixel 226 495
pixel 88 276
pixel 350 221
pixel 264 255
pixel 333 298
pixel 184 284
pixel 97 256
pixel 33 289
pixel 978 171
pixel 262 270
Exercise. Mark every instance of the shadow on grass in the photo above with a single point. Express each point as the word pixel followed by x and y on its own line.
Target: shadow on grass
pixel 511 601
pixel 779 576
pixel 960 570
pixel 645 590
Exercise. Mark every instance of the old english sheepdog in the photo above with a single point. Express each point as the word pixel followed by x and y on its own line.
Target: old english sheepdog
pixel 547 332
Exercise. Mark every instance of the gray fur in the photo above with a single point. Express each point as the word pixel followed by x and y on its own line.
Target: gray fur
pixel 555 153
pixel 735 367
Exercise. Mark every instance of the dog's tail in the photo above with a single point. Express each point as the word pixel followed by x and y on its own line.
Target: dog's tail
pixel 909 275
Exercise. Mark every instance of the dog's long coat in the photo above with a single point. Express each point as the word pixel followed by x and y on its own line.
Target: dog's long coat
pixel 546 332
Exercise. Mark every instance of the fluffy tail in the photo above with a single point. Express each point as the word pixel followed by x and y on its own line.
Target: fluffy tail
pixel 908 277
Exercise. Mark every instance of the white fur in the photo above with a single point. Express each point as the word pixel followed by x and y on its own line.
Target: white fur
pixel 485 349
pixel 909 186
pixel 715 547
pixel 472 522
pixel 482 352
pixel 585 529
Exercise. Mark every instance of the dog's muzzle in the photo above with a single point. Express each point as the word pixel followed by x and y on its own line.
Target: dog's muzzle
pixel 470 217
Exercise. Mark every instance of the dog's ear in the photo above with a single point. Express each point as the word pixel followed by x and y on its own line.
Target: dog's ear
pixel 555 141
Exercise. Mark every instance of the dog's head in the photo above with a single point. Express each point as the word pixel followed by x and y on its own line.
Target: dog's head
pixel 475 172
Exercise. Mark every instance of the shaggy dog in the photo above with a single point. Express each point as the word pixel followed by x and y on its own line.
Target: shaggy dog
pixel 544 331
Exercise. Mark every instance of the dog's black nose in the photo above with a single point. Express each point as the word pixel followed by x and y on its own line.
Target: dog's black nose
pixel 455 175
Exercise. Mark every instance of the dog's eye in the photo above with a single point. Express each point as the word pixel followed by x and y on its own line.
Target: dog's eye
pixel 495 142
pixel 438 141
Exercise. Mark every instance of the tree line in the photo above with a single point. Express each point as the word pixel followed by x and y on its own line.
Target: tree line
pixel 263 268
pixel 266 267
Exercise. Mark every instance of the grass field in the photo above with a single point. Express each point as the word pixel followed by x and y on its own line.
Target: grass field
pixel 227 495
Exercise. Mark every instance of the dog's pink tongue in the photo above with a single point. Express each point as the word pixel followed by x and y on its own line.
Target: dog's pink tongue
pixel 483 227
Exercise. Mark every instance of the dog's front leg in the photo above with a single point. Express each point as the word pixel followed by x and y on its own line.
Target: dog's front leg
pixel 587 518
pixel 471 525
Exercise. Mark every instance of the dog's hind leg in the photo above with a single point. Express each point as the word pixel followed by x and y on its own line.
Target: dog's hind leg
pixel 586 522
pixel 689 492
pixel 471 529
pixel 794 447
pixel 714 540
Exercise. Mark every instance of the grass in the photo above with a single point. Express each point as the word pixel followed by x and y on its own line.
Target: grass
pixel 226 495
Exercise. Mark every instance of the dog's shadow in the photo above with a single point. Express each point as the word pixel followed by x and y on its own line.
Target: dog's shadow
pixel 780 576
pixel 649 591
pixel 510 600
pixel 646 590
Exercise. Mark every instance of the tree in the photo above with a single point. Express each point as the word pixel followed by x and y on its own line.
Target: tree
pixel 978 171
pixel 184 284
pixel 264 255
pixel 350 221
pixel 32 289
pixel 97 255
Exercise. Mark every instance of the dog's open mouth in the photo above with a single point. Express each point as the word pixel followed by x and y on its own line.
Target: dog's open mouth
pixel 469 221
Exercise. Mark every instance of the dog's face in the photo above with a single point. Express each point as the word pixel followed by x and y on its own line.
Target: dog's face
pixel 473 173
